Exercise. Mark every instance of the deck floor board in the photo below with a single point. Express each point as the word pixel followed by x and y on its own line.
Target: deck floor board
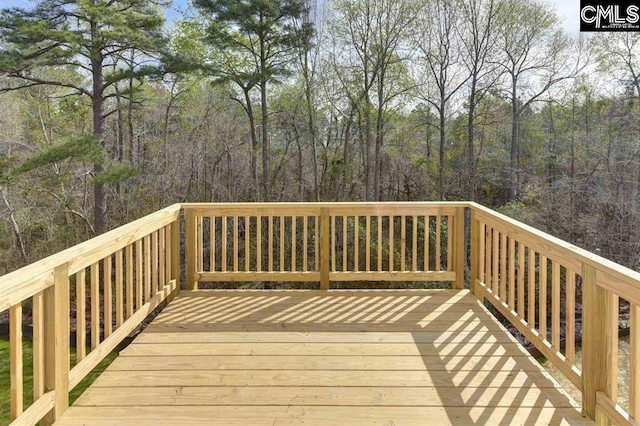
pixel 325 358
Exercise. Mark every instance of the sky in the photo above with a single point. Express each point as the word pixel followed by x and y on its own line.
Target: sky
pixel 567 10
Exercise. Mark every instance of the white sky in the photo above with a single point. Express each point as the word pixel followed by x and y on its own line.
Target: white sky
pixel 569 12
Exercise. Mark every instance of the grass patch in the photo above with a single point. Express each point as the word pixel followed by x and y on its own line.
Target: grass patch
pixel 5 376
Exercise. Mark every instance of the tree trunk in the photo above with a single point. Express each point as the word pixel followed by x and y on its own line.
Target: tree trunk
pixel 254 145
pixel 514 143
pixel 99 193
pixel 471 148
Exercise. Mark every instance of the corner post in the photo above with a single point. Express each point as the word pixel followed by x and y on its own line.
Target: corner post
pixel 190 250
pixel 599 341
pixel 324 249
pixel 56 314
pixel 460 250
pixel 176 269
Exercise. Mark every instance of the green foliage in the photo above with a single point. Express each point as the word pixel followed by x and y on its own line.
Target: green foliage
pixel 83 148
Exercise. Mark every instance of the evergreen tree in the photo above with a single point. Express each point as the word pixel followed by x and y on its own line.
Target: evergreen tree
pixel 87 36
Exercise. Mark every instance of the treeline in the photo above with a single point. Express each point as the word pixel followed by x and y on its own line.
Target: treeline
pixel 106 113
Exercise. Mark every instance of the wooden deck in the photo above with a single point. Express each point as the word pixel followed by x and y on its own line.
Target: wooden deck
pixel 390 357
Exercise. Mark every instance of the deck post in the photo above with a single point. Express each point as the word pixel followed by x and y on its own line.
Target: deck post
pixel 459 248
pixel 190 250
pixel 324 249
pixel 599 341
pixel 176 266
pixel 56 320
pixel 475 230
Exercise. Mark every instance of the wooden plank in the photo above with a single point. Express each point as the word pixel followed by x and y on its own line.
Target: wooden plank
pixel 414 244
pixel 634 362
pixel 247 246
pixel 119 288
pixel 223 250
pixel 81 315
pixel 403 242
pixel 259 243
pixel 543 296
pixel 324 267
pixel 391 241
pixel 613 411
pixel 199 246
pixel 129 283
pixel 379 244
pixel 325 378
pixel 258 276
pixel 154 259
pixel 460 248
pixel 427 242
pixel 318 349
pixel 475 264
pixel 38 345
pixel 345 242
pixel 570 317
pixel 367 241
pixel 356 243
pixel 521 272
pixel 438 242
pixel 147 265
pixel 282 243
pixel 108 295
pixel 393 276
pixel 305 244
pixel 599 341
pixel 236 242
pixel 139 272
pixel 495 269
pixel 333 243
pixel 15 360
pixel 95 305
pixel 512 273
pixel 326 415
pixel 323 396
pixel 531 290
pixel 316 222
pixel 503 267
pixel 162 251
pixel 487 259
pixel 555 305
pixel 36 411
pixel 212 244
pixel 294 244
pixel 270 244
pixel 77 373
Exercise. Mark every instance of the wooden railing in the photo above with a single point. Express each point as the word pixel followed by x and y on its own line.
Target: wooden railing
pixel 325 242
pixel 532 279
pixel 124 275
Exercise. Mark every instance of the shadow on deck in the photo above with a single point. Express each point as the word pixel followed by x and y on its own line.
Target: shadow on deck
pixel 391 357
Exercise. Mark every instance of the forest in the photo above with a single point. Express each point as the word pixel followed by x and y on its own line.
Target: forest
pixel 109 112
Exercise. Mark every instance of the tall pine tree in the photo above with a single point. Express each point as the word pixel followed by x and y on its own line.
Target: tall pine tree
pixel 90 37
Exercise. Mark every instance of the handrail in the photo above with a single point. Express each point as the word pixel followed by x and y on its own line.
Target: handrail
pixel 147 249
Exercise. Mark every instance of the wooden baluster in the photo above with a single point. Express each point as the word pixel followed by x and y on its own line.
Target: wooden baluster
pixel 39 343
pixel 414 244
pixel 521 261
pixel 108 296
pixel 345 242
pixel 281 243
pixel 259 244
pixel 459 248
pixel 438 243
pixel 270 243
pixel 449 243
pixel 634 362
pixel 223 249
pixel 599 341
pixel 503 266
pixel 168 252
pixel 212 244
pixel 119 290
pixel 247 245
pixel 555 305
pixel 200 243
pixel 391 248
pixel 479 258
pixel 487 254
pixel 162 250
pixel 190 250
pixel 294 245
pixel 333 243
pixel 427 242
pixel 95 305
pixel 15 360
pixel 316 250
pixel 130 283
pixel 147 268
pixel 570 316
pixel 403 242
pixel 81 315
pixel 356 243
pixel 531 309
pixel 512 273
pixel 542 285
pixel 367 241
pixel 139 273
pixel 305 244
pixel 236 243
pixel 496 265
pixel 324 268
pixel 379 243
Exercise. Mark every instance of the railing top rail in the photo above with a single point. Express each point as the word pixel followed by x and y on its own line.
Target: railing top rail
pixel 31 279
pixel 285 205
pixel 617 273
